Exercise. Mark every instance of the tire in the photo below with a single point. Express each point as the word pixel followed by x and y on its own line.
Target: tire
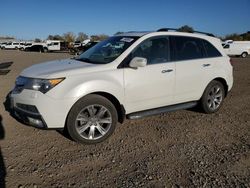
pixel 84 119
pixel 213 97
pixel 244 54
pixel 45 50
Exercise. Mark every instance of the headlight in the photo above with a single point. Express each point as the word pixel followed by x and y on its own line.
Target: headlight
pixel 42 85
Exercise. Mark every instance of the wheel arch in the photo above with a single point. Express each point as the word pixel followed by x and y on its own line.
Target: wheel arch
pixel 224 83
pixel 119 107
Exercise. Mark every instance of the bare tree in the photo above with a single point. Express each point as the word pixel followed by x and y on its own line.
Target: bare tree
pixel 50 37
pixel 118 32
pixel 69 37
pixel 55 37
pixel 37 40
pixel 186 28
pixel 99 37
pixel 103 36
pixel 82 36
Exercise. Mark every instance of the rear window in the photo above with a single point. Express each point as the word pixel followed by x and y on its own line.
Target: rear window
pixel 187 48
pixel 211 50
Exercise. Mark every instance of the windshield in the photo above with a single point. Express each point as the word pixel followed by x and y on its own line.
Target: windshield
pixel 107 50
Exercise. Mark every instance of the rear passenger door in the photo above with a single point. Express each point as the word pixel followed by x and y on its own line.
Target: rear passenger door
pixel 192 68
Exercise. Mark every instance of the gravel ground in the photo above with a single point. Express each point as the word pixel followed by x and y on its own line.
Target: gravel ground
pixel 178 149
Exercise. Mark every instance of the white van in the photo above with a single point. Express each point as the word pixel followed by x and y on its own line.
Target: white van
pixel 53 45
pixel 237 48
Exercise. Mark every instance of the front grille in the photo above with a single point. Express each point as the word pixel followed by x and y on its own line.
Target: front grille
pixel 28 108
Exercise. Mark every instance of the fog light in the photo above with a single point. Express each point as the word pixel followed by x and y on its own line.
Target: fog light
pixel 35 122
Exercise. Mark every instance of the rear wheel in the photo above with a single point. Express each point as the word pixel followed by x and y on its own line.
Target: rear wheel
pixel 92 119
pixel 244 54
pixel 213 97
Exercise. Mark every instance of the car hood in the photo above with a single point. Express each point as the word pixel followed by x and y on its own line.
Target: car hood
pixel 59 68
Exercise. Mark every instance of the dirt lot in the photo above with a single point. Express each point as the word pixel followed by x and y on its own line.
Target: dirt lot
pixel 178 149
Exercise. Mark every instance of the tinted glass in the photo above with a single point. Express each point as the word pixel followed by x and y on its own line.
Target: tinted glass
pixel 155 50
pixel 226 46
pixel 211 50
pixel 188 48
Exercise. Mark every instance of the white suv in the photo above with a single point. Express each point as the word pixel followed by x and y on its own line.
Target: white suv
pixel 131 75
pixel 12 45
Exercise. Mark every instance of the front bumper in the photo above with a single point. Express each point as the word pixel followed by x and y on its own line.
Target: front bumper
pixel 35 120
pixel 40 110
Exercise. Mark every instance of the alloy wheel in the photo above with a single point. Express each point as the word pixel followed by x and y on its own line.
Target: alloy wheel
pixel 93 122
pixel 215 97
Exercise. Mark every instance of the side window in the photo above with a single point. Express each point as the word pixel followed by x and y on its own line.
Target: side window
pixel 211 50
pixel 226 46
pixel 188 48
pixel 155 50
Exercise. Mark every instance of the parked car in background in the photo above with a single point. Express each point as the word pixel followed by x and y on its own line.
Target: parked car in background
pixel 77 44
pixel 56 45
pixel 27 44
pixel 11 46
pixel 130 75
pixel 37 48
pixel 3 44
pixel 84 48
pixel 21 45
pixel 237 48
pixel 53 45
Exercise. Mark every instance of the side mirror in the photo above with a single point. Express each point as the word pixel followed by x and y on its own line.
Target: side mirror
pixel 138 62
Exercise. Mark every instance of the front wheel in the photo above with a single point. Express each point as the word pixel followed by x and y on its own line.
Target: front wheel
pixel 213 97
pixel 244 54
pixel 92 119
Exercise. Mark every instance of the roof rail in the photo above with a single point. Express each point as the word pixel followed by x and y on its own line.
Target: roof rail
pixel 173 29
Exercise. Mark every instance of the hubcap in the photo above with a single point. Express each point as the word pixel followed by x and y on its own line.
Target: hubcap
pixel 215 97
pixel 93 122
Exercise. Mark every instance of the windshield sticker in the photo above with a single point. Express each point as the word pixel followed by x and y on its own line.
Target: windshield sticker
pixel 127 39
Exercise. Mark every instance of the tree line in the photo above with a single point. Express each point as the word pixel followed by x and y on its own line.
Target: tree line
pixel 71 37
pixel 234 36
pixel 81 36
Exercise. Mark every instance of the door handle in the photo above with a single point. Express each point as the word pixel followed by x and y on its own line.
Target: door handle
pixel 166 71
pixel 206 65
